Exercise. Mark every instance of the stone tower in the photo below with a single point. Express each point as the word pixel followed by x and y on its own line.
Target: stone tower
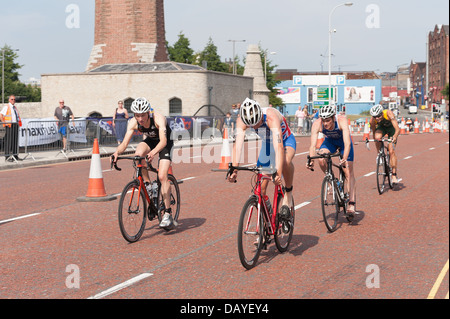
pixel 128 31
pixel 253 68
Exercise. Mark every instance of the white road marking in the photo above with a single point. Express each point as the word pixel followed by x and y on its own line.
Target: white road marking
pixel 17 218
pixel 368 174
pixel 407 157
pixel 301 205
pixel 118 287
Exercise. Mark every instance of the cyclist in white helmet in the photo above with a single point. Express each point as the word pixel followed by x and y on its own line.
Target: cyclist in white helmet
pixel 337 135
pixel 383 123
pixel 157 139
pixel 278 144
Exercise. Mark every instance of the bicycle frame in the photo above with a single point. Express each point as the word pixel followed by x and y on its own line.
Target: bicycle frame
pixel 270 220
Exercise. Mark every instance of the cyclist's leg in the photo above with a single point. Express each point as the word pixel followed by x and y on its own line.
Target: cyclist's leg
pixel 378 136
pixel 351 181
pixel 393 157
pixel 393 162
pixel 163 171
pixel 326 148
pixel 266 158
pixel 288 168
pixel 142 150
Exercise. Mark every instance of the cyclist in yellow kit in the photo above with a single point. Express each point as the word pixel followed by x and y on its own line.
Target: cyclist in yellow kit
pixel 383 123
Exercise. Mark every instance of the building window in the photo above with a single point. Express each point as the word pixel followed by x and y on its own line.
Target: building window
pixel 175 107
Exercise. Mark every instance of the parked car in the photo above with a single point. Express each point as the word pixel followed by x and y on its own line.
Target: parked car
pixel 412 109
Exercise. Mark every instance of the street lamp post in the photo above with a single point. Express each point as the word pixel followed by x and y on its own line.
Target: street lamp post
pixel 265 64
pixel 234 55
pixel 348 4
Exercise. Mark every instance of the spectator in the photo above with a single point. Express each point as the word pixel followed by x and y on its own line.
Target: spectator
pixel 120 120
pixel 62 115
pixel 300 116
pixel 10 114
pixel 228 124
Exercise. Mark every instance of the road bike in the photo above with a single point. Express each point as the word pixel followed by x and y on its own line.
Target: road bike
pixel 136 204
pixel 384 169
pixel 259 223
pixel 334 199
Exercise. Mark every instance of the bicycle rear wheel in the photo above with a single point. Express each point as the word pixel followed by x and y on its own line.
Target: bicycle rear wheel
pixel 381 174
pixel 174 199
pixel 132 212
pixel 285 227
pixel 250 233
pixel 330 204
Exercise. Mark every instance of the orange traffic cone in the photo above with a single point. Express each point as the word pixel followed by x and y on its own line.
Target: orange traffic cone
pixel 225 153
pixel 402 127
pixel 320 140
pixel 96 188
pixel 427 126
pixel 366 130
pixel 416 126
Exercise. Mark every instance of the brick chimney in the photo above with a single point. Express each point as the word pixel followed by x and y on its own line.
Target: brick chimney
pixel 128 31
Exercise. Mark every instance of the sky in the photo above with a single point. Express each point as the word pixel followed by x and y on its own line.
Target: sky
pixel 56 36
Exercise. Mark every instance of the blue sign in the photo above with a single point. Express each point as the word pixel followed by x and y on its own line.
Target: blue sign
pixel 340 80
pixel 297 80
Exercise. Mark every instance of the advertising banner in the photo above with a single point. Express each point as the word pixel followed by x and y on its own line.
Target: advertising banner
pixel 359 94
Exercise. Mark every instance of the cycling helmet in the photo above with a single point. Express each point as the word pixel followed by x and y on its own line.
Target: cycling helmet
pixel 140 105
pixel 327 111
pixel 376 110
pixel 250 112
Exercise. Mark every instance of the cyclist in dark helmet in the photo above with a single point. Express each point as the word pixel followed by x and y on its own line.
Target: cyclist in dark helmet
pixel 157 141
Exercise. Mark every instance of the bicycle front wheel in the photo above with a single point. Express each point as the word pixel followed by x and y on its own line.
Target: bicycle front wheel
pixel 285 227
pixel 174 199
pixel 381 174
pixel 330 204
pixel 132 210
pixel 250 233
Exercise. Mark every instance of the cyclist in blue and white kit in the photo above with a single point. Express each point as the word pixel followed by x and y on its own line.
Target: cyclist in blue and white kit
pixel 337 135
pixel 278 144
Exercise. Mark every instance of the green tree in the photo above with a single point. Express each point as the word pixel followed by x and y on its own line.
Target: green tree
pixel 212 58
pixel 11 77
pixel 181 51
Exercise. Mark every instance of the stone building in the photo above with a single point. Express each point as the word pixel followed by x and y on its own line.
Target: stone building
pixel 129 59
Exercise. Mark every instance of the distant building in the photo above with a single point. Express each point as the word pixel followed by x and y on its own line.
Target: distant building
pixel 438 62
pixel 418 78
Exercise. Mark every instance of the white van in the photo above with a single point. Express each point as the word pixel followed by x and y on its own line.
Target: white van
pixel 412 109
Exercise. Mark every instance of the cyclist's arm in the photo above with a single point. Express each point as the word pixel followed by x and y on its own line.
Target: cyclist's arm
pixel 274 124
pixel 132 126
pixel 315 129
pixel 161 123
pixel 343 124
pixel 373 125
pixel 239 142
pixel 395 125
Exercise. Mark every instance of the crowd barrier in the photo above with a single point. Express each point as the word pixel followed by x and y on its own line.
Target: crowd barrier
pixel 44 135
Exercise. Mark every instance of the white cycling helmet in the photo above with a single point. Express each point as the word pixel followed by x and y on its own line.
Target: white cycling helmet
pixel 250 112
pixel 376 110
pixel 327 111
pixel 140 105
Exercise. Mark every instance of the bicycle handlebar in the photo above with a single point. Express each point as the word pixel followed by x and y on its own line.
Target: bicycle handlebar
pixel 327 155
pixel 254 169
pixel 133 158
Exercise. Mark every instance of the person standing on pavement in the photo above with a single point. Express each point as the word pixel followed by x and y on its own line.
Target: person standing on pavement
pixel 300 115
pixel 62 115
pixel 10 114
pixel 120 119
